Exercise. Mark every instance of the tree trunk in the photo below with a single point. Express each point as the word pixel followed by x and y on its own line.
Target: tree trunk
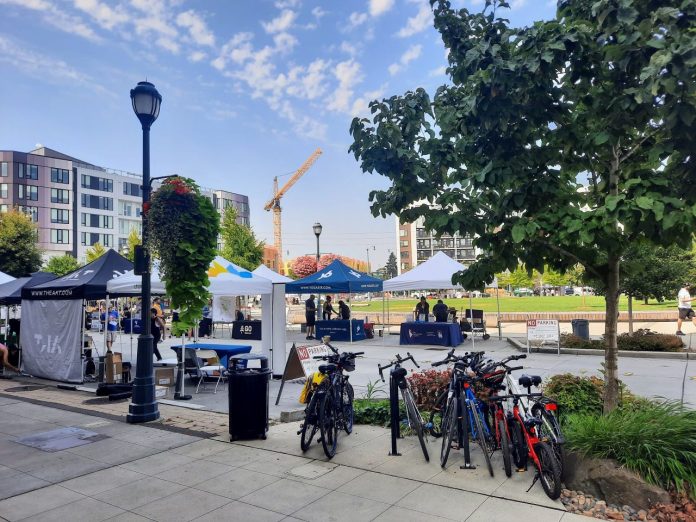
pixel 611 378
pixel 645 300
pixel 630 313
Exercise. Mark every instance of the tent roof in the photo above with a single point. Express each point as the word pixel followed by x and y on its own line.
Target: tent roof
pixel 273 276
pixel 88 282
pixel 226 278
pixel 5 278
pixel 11 293
pixel 434 274
pixel 337 277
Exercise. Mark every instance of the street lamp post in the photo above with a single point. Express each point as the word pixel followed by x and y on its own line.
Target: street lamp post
pixel 143 407
pixel 317 232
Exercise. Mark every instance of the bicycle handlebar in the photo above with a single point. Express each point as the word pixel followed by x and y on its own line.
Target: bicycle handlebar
pixel 399 360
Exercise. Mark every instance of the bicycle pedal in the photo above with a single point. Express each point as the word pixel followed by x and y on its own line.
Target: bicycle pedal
pixel 521 470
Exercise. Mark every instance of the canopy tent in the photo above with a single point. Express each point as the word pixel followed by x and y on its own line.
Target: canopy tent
pixel 5 278
pixel 11 293
pixel 226 278
pixel 273 319
pixel 337 277
pixel 88 282
pixel 435 274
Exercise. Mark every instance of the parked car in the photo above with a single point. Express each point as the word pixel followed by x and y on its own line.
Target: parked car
pixel 522 292
pixel 579 290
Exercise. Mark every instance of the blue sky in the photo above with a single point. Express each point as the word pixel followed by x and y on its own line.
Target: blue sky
pixel 250 89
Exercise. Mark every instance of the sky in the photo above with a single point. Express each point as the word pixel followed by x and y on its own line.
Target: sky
pixel 250 89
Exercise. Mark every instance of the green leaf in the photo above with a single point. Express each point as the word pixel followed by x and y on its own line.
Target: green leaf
pixel 644 202
pixel 601 138
pixel 518 232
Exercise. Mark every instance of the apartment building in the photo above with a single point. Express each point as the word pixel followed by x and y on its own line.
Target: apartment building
pixel 416 244
pixel 77 204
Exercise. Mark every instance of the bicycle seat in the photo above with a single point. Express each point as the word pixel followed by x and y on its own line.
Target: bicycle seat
pixel 530 380
pixel 400 373
pixel 327 368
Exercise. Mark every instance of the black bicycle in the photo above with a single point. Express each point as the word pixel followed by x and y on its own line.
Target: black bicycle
pixel 415 419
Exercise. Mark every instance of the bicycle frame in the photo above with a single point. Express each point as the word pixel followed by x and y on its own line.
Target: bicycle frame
pixel 530 434
pixel 471 399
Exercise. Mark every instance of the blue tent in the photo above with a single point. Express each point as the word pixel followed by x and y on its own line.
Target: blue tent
pixel 337 277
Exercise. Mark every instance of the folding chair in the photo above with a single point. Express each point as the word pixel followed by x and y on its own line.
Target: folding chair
pixel 211 369
pixel 475 323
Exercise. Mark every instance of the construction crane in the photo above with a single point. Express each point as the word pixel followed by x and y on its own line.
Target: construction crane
pixel 274 203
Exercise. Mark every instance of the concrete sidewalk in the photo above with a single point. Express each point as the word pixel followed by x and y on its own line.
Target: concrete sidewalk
pixel 138 473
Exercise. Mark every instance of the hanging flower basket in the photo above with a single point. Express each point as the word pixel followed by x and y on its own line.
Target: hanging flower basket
pixel 182 227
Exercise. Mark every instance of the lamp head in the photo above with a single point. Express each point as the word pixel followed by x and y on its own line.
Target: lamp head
pixel 146 103
pixel 317 229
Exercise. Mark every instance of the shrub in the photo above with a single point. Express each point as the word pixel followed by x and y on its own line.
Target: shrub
pixel 656 440
pixel 427 386
pixel 641 340
pixel 576 394
pixel 373 412
pixel 573 341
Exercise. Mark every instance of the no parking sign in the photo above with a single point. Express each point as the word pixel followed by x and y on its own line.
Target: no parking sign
pixel 543 331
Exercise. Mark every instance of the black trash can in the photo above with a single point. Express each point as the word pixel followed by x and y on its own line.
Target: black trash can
pixel 248 389
pixel 581 328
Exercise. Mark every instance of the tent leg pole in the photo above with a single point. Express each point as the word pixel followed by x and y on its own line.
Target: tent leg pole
pixel 497 300
pixel 471 318
pixel 82 345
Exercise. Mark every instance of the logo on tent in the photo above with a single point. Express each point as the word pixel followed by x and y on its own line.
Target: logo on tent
pixel 217 269
pixel 326 274
pixel 355 274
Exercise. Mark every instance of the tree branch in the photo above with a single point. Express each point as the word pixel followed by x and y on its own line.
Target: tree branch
pixel 636 147
pixel 572 256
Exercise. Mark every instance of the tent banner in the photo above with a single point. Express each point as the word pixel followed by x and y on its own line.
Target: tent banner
pixel 50 339
pixel 224 307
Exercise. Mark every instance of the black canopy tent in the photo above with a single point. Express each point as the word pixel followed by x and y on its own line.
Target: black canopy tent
pixel 11 293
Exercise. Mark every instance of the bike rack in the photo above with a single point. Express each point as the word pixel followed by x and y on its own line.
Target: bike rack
pixel 394 414
pixel 464 444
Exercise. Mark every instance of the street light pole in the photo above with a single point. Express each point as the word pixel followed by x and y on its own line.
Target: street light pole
pixel 143 407
pixel 317 232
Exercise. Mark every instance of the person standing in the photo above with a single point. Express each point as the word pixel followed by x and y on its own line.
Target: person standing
pixel 343 310
pixel 155 324
pixel 441 311
pixel 156 304
pixel 328 309
pixel 422 308
pixel 5 356
pixel 310 316
pixel 684 307
pixel 111 328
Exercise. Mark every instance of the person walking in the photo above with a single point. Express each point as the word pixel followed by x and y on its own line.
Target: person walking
pixel 310 316
pixel 155 324
pixel 684 307
pixel 111 328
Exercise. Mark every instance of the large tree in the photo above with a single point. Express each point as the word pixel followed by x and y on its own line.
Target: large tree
pixel 95 252
pixel 304 266
pixel 61 265
pixel 553 143
pixel 134 240
pixel 19 250
pixel 239 244
pixel 391 268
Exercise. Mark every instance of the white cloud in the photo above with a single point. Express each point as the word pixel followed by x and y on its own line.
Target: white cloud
pixel 104 15
pixel 57 17
pixel 349 48
pixel 197 56
pixel 285 42
pixel 379 7
pixel 238 49
pixel 348 74
pixel 284 4
pixel 318 13
pixel 281 23
pixel 412 53
pixel 418 23
pixel 516 4
pixel 308 83
pixel 361 105
pixel 355 19
pixel 440 71
pixel 197 28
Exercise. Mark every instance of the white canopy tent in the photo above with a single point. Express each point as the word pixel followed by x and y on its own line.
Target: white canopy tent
pixel 5 312
pixel 273 319
pixel 435 274
pixel 5 278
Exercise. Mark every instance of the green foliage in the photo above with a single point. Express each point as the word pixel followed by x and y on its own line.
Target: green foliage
pixel 602 94
pixel 375 413
pixel 375 388
pixel 182 227
pixel 427 386
pixel 134 240
pixel 95 252
pixel 575 394
pixel 239 244
pixel 391 268
pixel 61 265
pixel 656 440
pixel 642 340
pixel 20 253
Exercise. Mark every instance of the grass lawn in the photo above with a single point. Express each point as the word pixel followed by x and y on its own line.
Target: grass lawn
pixel 520 304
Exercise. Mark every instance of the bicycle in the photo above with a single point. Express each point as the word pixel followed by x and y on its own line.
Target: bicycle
pixel 415 419
pixel 463 413
pixel 336 406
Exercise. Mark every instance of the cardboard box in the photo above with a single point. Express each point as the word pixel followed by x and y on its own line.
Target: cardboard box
pixel 164 376
pixel 161 391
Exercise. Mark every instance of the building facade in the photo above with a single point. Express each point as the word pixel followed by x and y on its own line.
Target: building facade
pixel 415 245
pixel 76 204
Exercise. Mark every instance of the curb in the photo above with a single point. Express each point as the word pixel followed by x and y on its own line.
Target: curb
pixel 622 353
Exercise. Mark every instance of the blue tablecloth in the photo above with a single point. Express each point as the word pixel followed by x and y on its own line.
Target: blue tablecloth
pixel 445 334
pixel 224 351
pixel 339 330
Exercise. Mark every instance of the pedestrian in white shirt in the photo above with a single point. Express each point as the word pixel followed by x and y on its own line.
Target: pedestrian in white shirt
pixel 684 307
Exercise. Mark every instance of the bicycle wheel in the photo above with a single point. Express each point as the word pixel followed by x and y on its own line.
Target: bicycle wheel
pixel 449 430
pixel 520 452
pixel 550 472
pixel 414 419
pixel 347 403
pixel 311 421
pixel 481 435
pixel 550 432
pixel 328 425
pixel 437 415
pixel 505 447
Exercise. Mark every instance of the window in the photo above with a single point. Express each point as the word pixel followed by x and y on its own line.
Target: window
pixel 4 208
pixel 404 255
pixel 97 221
pixel 60 215
pixel 59 236
pixel 60 176
pixel 3 169
pixel 28 171
pixel 99 202
pixel 60 196
pixel 28 192
pixel 125 226
pixel 423 243
pixel 125 209
pixel 32 212
pixel 404 242
pixel 90 238
pixel 132 189
pixel 3 190
pixel 97 183
pixel 402 232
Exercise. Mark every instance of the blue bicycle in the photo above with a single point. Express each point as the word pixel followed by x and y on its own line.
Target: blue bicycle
pixel 462 413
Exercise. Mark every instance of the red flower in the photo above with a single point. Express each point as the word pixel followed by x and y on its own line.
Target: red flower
pixel 146 207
